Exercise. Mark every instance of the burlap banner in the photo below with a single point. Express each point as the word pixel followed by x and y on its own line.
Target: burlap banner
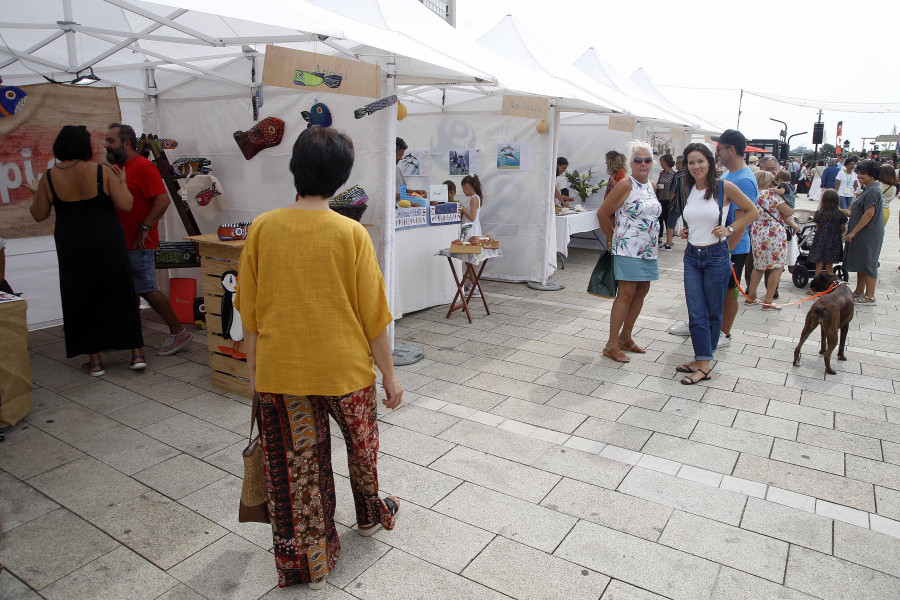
pixel 26 143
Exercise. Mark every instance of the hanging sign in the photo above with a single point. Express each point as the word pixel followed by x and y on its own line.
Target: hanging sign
pixel 530 107
pixel 621 123
pixel 840 136
pixel 319 73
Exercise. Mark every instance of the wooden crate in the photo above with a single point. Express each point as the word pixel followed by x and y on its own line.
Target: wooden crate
pixel 216 257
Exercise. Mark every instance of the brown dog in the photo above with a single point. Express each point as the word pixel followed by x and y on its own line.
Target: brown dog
pixel 832 311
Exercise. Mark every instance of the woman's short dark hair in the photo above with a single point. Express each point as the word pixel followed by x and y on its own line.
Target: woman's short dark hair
pixel 667 160
pixel 562 160
pixel 73 143
pixel 711 180
pixel 321 161
pixel 870 168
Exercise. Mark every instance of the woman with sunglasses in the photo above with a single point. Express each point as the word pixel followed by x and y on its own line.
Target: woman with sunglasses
pixel 629 216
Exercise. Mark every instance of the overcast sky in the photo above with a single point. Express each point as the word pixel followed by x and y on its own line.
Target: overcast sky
pixel 823 50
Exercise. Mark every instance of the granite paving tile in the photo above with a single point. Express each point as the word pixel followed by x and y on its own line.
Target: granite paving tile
pixel 231 567
pixel 788 524
pixel 891 452
pixel 682 494
pixel 834 578
pixel 588 405
pixel 737 585
pixel 675 574
pixel 741 549
pixel 531 359
pixel 766 425
pixel 505 368
pixel 144 414
pixel 427 422
pixel 732 439
pixel 229 459
pixel 418 579
pixel 668 386
pixel 218 410
pixel 658 421
pixel 539 415
pixel 858 408
pixel 873 471
pixel 437 538
pixel 767 390
pixel 807 455
pixel 70 421
pixel 45 549
pixel 125 449
pixel 216 502
pixel 818 484
pixel 849 443
pixel 887 502
pixel 20 503
pixel 528 574
pixel 692 453
pixel 867 427
pixel 358 553
pixel 14 589
pixel 737 401
pixel 171 391
pixel 700 411
pixel 619 590
pixel 179 476
pixel 504 444
pixel 631 396
pixel 192 435
pixel 492 472
pixel 462 394
pixel 617 434
pixel 36 454
pixel 629 514
pixel 868 548
pixel 415 483
pixel 609 374
pixel 803 414
pixel 583 466
pixel 412 445
pixel 447 372
pixel 103 396
pixel 569 383
pixel 119 574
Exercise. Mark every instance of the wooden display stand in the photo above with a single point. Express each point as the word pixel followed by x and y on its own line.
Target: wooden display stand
pixel 15 366
pixel 216 257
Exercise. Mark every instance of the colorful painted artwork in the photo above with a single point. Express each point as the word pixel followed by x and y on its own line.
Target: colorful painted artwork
pixel 12 99
pixel 307 79
pixel 319 115
pixel 509 156
pixel 459 162
pixel 368 109
pixel 416 162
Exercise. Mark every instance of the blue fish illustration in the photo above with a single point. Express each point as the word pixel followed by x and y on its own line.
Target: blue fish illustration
pixel 12 100
pixel 317 115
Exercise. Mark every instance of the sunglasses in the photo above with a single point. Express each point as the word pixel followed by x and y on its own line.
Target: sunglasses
pixel 646 160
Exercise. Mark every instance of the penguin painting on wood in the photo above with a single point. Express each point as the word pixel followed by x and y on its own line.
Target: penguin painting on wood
pixel 232 328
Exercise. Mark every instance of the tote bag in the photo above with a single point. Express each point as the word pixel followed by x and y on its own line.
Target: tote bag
pixel 603 278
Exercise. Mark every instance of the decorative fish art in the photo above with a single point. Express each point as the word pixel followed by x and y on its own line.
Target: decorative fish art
pixel 368 109
pixel 205 197
pixel 411 161
pixel 12 99
pixel 307 79
pixel 185 167
pixel 317 115
pixel 166 144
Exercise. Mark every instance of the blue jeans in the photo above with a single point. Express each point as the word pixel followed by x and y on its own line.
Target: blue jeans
pixel 846 201
pixel 707 270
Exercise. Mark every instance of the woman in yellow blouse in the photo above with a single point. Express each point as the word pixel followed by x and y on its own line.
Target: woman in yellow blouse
pixel 315 313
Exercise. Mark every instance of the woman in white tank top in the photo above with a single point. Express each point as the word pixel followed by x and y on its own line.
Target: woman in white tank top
pixel 709 208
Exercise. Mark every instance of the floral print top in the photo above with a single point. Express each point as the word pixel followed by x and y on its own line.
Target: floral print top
pixel 637 223
pixel 768 239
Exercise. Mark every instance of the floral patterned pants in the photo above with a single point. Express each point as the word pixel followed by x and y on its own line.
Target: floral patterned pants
pixel 300 481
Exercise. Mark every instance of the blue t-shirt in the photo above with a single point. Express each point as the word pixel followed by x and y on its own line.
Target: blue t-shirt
pixel 829 177
pixel 746 182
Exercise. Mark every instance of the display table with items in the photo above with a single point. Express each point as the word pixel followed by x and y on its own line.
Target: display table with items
pixel 570 222
pixel 472 254
pixel 419 282
pixel 219 265
pixel 15 366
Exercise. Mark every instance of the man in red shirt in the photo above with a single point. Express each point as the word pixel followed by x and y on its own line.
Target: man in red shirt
pixel 151 199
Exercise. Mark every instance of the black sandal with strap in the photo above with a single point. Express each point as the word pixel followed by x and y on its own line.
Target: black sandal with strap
pixel 688 380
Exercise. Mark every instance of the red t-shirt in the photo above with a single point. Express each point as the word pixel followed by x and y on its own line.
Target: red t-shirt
pixel 144 182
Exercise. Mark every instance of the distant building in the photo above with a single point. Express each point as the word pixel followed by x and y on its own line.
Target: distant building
pixel 445 9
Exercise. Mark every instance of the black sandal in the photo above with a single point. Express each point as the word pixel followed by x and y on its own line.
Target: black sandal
pixel 687 380
pixel 685 369
pixel 88 368
pixel 393 507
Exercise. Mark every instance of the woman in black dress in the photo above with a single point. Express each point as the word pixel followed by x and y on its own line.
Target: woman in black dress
pixel 98 300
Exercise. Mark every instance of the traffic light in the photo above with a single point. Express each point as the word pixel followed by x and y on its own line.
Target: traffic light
pixel 783 152
pixel 818 133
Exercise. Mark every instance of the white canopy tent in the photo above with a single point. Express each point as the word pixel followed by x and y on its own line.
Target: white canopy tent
pixel 179 70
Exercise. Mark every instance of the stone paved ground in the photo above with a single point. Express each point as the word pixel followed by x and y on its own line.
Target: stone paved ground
pixel 528 466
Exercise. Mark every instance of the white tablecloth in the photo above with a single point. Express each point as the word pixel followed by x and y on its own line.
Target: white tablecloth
pixel 568 225
pixel 422 281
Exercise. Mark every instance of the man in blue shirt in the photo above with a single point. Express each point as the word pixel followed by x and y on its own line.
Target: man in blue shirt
pixel 829 175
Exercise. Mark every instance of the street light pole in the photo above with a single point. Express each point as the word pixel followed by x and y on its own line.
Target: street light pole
pixel 789 142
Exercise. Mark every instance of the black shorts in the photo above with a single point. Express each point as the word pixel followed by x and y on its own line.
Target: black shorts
pixel 672 217
pixel 737 260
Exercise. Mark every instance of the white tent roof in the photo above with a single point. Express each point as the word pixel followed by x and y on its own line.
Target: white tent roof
pixel 120 38
pixel 643 81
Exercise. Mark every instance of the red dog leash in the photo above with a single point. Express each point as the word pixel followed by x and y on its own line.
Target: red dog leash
pixel 813 297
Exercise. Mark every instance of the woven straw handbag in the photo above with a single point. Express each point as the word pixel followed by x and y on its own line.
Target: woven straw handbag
pixel 254 500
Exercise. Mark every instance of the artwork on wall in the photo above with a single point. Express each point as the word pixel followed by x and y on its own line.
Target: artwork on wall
pixel 515 156
pixel 416 162
pixel 459 162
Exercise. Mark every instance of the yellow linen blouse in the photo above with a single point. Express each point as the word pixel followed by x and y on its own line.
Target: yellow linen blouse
pixel 310 286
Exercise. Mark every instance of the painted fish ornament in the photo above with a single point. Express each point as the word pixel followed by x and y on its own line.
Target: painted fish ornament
pixel 185 167
pixel 205 197
pixel 308 79
pixel 166 144
pixel 368 109
pixel 265 134
pixel 12 99
pixel 317 115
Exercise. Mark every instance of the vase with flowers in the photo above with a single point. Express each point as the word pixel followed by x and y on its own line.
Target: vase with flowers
pixel 580 183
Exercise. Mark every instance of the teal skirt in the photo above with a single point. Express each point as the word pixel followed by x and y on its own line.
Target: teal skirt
pixel 628 268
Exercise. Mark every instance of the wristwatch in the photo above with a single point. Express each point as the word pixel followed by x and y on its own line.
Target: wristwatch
pixel 730 228
pixel 145 227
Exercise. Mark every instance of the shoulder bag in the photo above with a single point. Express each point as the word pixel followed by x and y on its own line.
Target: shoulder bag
pixel 254 506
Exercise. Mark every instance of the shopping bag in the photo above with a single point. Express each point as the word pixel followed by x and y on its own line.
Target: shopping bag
pixel 793 251
pixel 603 278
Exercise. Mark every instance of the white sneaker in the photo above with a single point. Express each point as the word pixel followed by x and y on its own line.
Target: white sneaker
pixel 724 340
pixel 682 329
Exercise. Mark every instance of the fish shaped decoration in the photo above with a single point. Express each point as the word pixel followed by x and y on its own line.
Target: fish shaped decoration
pixel 12 99
pixel 185 167
pixel 368 109
pixel 307 79
pixel 166 144
pixel 205 197
pixel 265 134
pixel 317 115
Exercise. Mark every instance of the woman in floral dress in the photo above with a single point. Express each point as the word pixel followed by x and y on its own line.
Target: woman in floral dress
pixel 633 234
pixel 768 240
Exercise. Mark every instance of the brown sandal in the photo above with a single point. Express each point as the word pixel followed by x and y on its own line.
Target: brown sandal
pixel 631 346
pixel 616 354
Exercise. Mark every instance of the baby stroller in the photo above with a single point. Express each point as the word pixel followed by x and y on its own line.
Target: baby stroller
pixel 803 269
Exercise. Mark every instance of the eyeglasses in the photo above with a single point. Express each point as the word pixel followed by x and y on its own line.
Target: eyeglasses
pixel 646 160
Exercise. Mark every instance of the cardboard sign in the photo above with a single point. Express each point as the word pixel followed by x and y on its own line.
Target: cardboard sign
pixel 319 73
pixel 438 193
pixel 26 143
pixel 620 123
pixel 530 107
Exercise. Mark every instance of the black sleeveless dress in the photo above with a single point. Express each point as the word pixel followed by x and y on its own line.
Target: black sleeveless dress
pixel 100 308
